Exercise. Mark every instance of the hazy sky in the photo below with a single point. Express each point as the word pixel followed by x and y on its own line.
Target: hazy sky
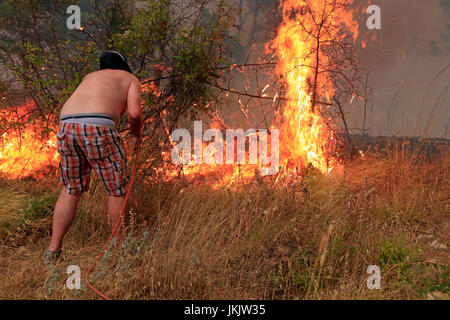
pixel 411 48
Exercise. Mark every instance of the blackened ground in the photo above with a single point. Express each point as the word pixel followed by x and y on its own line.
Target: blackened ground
pixel 425 146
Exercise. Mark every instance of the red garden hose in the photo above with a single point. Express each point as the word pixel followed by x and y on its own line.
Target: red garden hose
pixel 138 147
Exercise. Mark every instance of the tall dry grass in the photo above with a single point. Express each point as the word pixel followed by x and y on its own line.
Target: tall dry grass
pixel 311 238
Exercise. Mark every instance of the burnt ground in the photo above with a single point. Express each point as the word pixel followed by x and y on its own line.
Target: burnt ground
pixel 425 146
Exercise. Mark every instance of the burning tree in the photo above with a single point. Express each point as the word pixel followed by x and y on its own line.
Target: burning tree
pixel 317 64
pixel 317 72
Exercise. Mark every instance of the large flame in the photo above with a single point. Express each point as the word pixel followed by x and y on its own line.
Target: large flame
pixel 306 134
pixel 23 149
pixel 308 26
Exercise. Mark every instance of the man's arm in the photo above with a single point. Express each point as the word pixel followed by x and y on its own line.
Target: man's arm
pixel 135 116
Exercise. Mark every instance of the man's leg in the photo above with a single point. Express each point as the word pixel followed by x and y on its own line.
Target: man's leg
pixel 115 204
pixel 65 210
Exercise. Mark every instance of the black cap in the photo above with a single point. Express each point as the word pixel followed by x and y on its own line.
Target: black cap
pixel 114 60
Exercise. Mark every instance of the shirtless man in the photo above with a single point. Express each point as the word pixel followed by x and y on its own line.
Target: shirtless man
pixel 88 139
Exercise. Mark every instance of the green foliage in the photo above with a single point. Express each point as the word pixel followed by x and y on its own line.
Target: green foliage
pixel 40 206
pixel 400 259
pixel 146 34
pixel 302 269
pixel 432 283
pixel 20 211
pixel 178 54
pixel 392 253
pixel 43 56
pixel 311 174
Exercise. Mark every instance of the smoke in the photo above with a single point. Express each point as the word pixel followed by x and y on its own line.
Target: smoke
pixel 403 58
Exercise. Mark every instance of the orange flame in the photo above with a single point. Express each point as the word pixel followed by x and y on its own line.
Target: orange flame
pixel 23 150
pixel 306 136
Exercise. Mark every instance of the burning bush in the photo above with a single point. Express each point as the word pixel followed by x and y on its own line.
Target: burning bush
pixel 25 150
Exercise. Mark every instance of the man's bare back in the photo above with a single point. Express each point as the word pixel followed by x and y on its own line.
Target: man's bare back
pixel 109 92
pixel 88 140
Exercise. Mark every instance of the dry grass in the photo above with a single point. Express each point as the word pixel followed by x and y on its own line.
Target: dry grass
pixel 310 239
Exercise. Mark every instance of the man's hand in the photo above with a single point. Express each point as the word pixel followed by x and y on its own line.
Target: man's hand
pixel 136 129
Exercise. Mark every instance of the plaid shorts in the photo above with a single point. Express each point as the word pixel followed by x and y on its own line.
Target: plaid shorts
pixel 83 147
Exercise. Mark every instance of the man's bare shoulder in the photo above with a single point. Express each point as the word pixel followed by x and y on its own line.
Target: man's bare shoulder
pixel 135 84
pixel 112 73
pixel 131 76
